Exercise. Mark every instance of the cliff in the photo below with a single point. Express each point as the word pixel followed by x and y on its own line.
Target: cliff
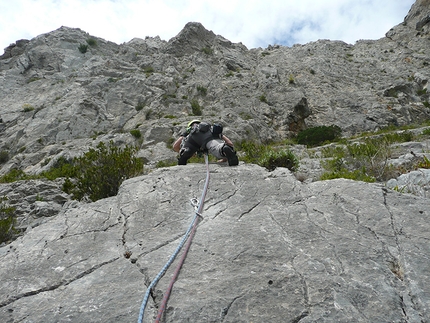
pixel 269 247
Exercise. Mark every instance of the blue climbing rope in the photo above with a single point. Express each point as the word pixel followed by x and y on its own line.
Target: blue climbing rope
pixel 198 206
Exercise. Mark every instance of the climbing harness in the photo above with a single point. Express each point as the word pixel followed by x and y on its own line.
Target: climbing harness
pixel 189 234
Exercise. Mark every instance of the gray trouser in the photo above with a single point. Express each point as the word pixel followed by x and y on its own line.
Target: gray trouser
pixel 214 146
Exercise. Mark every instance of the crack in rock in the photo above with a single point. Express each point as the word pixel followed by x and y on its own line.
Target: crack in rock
pixel 224 311
pixel 55 286
pixel 300 317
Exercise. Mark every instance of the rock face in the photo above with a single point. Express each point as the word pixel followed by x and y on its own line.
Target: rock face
pixel 55 99
pixel 279 251
pixel 269 247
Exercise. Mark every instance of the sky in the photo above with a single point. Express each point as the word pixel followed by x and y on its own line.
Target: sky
pixel 254 23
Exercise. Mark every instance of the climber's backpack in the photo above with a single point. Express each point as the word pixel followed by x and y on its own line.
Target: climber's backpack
pixel 201 127
pixel 202 133
pixel 204 127
pixel 217 130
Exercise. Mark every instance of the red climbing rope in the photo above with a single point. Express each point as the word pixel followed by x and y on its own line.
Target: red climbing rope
pixel 187 247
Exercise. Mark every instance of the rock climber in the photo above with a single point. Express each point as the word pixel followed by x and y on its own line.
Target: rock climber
pixel 201 136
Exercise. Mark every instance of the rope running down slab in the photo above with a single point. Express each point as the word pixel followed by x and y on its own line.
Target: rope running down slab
pixel 189 234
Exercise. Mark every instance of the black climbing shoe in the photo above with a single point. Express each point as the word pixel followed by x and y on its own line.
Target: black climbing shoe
pixel 231 155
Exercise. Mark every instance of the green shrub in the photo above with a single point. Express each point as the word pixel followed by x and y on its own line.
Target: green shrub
pixel 196 108
pixel 365 160
pixel 422 92
pixel 136 133
pixel 267 156
pixel 100 172
pixel 207 50
pixel 27 107
pixel 83 48
pixel 97 174
pixel 7 228
pixel 166 163
pixel 291 79
pixel 263 98
pixel 392 93
pixel 403 136
pixel 202 90
pixel 33 79
pixel 318 135
pixel 7 221
pixel 423 163
pixel 148 70
pixel 91 42
pixel 279 158
pixel 140 106
pixel 4 156
pixel 13 175
pixel 61 168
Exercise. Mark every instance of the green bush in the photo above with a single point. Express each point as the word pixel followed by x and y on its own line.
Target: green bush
pixel 140 106
pixel 196 108
pixel 13 175
pixel 403 136
pixel 7 221
pixel 318 135
pixel 83 48
pixel 207 50
pixel 7 228
pixel 27 107
pixel 148 70
pixel 96 175
pixel 423 163
pixel 100 172
pixel 202 90
pixel 291 79
pixel 4 156
pixel 91 42
pixel 422 92
pixel 136 133
pixel 279 158
pixel 166 163
pixel 61 168
pixel 365 160
pixel 267 156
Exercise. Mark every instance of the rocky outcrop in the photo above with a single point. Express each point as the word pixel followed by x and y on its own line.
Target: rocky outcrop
pixel 269 247
pixel 33 201
pixel 279 251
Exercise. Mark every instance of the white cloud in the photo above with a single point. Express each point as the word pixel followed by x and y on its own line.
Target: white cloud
pixel 256 23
